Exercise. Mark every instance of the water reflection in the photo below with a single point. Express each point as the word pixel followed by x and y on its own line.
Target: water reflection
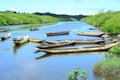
pixel 27 65
pixel 45 55
pixel 16 47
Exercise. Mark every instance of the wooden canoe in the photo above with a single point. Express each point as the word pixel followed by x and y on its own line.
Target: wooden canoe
pixel 21 40
pixel 83 41
pixel 3 29
pixel 77 41
pixel 111 41
pixel 34 29
pixel 35 40
pixel 96 34
pixel 44 46
pixel 73 50
pixel 6 36
pixel 93 28
pixel 58 33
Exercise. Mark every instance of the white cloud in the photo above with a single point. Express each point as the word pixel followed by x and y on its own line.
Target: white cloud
pixel 12 9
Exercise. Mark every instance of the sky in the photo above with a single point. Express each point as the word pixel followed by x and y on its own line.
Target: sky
pixel 71 7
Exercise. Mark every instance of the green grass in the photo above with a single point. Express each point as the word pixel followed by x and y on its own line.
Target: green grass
pixel 111 66
pixel 108 68
pixel 115 50
pixel 9 18
pixel 106 21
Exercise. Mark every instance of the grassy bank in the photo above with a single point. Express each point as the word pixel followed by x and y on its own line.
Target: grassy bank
pixel 106 21
pixel 10 18
pixel 110 67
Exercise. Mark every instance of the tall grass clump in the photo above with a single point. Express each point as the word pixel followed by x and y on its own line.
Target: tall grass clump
pixel 110 67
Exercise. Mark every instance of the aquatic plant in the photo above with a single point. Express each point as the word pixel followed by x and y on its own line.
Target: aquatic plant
pixel 84 75
pixel 76 75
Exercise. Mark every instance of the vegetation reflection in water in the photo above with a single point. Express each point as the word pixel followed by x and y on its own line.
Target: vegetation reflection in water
pixel 29 26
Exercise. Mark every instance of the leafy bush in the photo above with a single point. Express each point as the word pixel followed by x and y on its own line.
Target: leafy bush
pixel 115 50
pixel 75 75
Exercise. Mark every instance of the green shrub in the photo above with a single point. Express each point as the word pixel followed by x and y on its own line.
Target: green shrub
pixel 113 52
pixel 75 75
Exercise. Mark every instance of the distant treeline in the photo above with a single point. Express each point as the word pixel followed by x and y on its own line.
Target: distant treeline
pixel 106 21
pixel 77 17
pixel 15 18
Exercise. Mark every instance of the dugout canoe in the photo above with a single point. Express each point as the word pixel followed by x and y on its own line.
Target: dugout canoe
pixel 3 29
pixel 21 40
pixel 73 50
pixel 77 41
pixel 35 40
pixel 44 46
pixel 58 33
pixel 34 29
pixel 95 34
pixel 94 28
pixel 6 36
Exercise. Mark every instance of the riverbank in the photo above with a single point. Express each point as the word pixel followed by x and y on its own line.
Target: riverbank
pixel 109 68
pixel 107 22
pixel 10 18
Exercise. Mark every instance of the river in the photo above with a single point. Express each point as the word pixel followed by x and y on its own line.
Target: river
pixel 24 64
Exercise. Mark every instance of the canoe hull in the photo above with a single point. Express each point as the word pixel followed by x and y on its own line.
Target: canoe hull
pixel 95 34
pixel 57 33
pixel 55 45
pixel 93 28
pixel 35 40
pixel 70 50
pixel 6 37
pixel 3 30
pixel 20 42
pixel 78 41
pixel 34 29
